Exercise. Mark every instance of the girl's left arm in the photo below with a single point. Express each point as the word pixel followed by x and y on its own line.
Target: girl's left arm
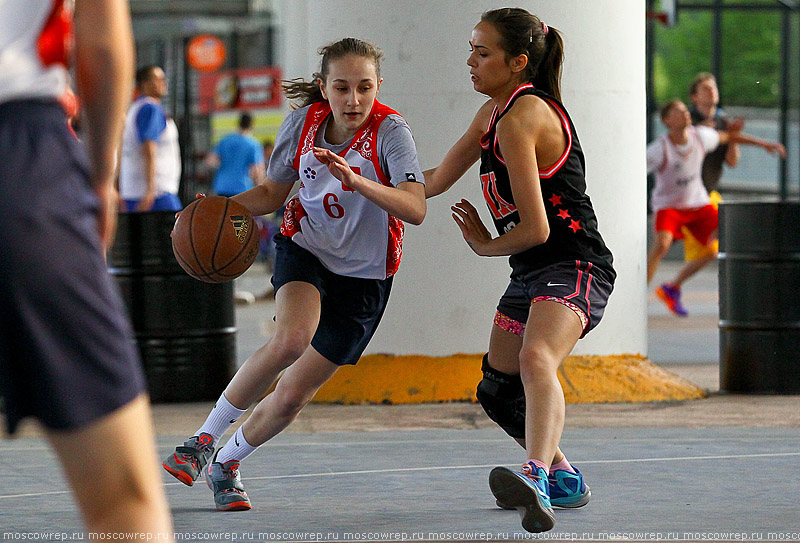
pixel 517 134
pixel 406 201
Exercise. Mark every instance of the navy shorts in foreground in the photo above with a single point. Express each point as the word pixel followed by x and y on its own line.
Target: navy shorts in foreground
pixel 575 282
pixel 351 307
pixel 67 355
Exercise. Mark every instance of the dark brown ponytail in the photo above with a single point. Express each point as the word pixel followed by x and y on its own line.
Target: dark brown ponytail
pixel 521 33
pixel 548 73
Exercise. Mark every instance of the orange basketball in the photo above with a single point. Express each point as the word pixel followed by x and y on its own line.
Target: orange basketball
pixel 215 239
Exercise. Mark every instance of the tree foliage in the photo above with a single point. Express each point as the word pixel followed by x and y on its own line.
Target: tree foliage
pixel 750 71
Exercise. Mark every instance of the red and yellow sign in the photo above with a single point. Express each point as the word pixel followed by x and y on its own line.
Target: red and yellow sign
pixel 206 53
pixel 251 88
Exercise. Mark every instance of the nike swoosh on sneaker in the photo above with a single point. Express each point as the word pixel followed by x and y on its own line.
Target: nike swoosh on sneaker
pixel 179 461
pixel 541 492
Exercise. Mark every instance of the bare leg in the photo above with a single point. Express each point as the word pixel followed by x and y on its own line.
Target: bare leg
pixel 692 267
pixel 550 335
pixel 661 245
pixel 558 457
pixel 296 388
pixel 504 352
pixel 298 310
pixel 122 491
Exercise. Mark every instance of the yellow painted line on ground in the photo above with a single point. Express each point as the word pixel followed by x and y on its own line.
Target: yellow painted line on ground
pixel 390 379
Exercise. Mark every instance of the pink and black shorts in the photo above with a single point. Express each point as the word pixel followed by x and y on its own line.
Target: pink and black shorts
pixel 576 284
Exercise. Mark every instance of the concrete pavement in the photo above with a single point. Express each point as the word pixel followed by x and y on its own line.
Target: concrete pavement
pixel 719 468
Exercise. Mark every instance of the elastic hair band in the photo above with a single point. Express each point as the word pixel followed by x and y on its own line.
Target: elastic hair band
pixel 545 28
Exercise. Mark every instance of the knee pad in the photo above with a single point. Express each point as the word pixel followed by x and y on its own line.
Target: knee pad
pixel 503 398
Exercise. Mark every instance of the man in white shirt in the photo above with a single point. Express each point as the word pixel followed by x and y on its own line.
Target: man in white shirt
pixel 150 166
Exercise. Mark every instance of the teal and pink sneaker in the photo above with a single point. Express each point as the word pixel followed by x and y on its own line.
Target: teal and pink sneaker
pixel 567 490
pixel 671 295
pixel 528 492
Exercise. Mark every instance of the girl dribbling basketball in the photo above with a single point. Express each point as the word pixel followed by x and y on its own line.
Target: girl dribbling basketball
pixel 338 249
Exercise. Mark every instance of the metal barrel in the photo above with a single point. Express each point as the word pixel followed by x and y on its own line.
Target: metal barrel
pixel 759 285
pixel 185 328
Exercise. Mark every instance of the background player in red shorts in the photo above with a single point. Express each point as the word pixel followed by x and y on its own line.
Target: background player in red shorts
pixel 679 197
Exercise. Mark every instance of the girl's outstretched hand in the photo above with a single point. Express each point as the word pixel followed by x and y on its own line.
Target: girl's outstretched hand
pixel 475 233
pixel 197 196
pixel 178 213
pixel 776 147
pixel 337 165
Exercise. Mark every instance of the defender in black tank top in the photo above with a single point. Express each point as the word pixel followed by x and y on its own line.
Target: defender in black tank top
pixel 562 271
pixel 573 225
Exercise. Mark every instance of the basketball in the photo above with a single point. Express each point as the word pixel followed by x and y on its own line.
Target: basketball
pixel 215 239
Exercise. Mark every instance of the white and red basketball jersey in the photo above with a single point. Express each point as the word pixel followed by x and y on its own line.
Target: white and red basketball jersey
pixel 35 44
pixel 679 183
pixel 349 234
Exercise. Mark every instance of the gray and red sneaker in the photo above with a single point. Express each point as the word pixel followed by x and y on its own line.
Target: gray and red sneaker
pixel 186 463
pixel 226 483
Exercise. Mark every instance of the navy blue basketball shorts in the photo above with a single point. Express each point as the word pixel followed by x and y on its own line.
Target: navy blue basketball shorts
pixel 67 354
pixel 574 284
pixel 351 307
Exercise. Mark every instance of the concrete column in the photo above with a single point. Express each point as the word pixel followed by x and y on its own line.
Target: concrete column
pixel 444 296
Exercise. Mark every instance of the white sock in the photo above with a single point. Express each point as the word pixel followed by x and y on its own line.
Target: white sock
pixel 237 448
pixel 220 419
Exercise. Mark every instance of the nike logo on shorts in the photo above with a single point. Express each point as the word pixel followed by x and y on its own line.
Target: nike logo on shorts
pixel 549 284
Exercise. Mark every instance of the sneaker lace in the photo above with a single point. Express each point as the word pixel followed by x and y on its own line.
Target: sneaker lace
pixel 231 471
pixel 202 443
pixel 234 491
pixel 190 458
pixel 198 445
pixel 529 470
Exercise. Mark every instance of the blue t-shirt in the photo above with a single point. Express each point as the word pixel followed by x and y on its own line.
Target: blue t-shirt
pixel 237 153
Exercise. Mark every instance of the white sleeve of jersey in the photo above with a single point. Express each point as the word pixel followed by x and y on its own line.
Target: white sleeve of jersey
pixel 709 137
pixel 280 167
pixel 655 155
pixel 398 153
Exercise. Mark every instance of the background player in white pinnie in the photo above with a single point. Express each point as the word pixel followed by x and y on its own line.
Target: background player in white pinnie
pixel 680 199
